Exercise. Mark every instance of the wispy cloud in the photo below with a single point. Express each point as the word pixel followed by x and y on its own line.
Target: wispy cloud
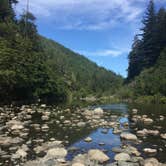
pixel 84 14
pixel 102 53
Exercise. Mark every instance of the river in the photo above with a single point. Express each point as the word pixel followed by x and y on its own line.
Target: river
pixel 73 136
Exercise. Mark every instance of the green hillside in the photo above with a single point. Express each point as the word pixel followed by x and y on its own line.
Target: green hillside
pixel 82 76
pixel 33 67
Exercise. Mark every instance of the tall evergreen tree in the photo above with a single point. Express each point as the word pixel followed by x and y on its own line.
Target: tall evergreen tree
pixel 6 9
pixel 160 31
pixel 135 59
pixel 148 36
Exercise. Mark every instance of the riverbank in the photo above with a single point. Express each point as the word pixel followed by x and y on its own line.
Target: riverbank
pixel 29 135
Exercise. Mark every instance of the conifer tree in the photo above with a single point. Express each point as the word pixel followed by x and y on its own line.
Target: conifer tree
pixel 6 9
pixel 148 36
pixel 135 58
pixel 160 31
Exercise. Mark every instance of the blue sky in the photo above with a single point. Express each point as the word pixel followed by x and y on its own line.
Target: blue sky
pixel 102 30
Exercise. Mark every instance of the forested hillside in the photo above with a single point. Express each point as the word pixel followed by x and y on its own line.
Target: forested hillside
pixel 147 60
pixel 33 67
pixel 80 75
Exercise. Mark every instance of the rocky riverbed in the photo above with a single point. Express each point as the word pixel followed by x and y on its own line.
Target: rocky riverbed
pixel 40 135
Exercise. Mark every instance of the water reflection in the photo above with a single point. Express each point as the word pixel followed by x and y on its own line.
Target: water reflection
pixel 104 138
pixel 111 140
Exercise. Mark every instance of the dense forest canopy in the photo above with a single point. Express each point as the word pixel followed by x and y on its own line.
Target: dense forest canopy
pixel 147 60
pixel 148 45
pixel 33 67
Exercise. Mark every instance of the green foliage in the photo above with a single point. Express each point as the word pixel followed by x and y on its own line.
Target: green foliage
pixel 6 10
pixel 125 93
pixel 157 99
pixel 81 76
pixel 153 80
pixel 147 49
pixel 149 86
pixel 147 60
pixel 33 67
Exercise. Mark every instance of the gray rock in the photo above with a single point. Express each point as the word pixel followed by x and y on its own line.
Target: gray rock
pixel 105 131
pixel 81 124
pixel 128 136
pixel 78 164
pixel 132 150
pixel 122 157
pixel 45 117
pixel 146 132
pixel 134 111
pixel 150 151
pixel 8 141
pixel 113 164
pixel 147 120
pixel 117 150
pixel 15 125
pixel 56 153
pixel 88 139
pixel 151 162
pixel 80 158
pixel 45 127
pixel 123 163
pixel 163 136
pixel 98 111
pixel 97 155
pixel 20 153
pixel 67 122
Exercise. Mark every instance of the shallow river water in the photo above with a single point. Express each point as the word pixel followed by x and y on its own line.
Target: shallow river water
pixel 73 137
pixel 113 140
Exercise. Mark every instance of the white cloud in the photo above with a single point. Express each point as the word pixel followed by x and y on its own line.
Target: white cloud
pixel 102 53
pixel 83 14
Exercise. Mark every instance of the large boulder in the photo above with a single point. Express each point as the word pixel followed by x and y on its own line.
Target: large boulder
pixel 5 141
pixel 81 124
pixel 150 150
pixel 147 120
pixel 20 153
pixel 88 113
pixel 122 157
pixel 128 136
pixel 151 162
pixel 124 163
pixel 142 133
pixel 117 150
pixel 46 146
pixel 8 141
pixel 80 158
pixel 153 132
pixel 145 132
pixel 132 150
pixel 97 155
pixel 67 122
pixel 98 111
pixel 15 125
pixel 56 153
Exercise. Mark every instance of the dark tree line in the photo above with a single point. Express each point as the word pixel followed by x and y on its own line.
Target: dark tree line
pixel 33 67
pixel 147 60
pixel 23 70
pixel 148 46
